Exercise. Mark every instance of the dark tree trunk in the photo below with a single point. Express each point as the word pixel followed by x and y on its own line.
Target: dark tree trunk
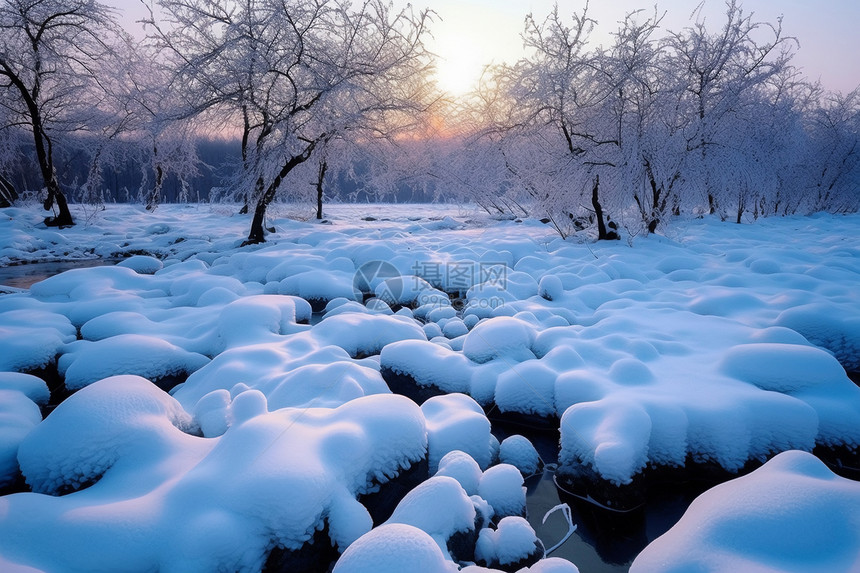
pixel 257 233
pixel 55 195
pixel 44 155
pixel 602 233
pixel 320 180
pixel 64 216
pixel 246 133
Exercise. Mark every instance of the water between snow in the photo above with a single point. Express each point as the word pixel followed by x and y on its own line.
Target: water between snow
pixel 24 276
pixel 604 541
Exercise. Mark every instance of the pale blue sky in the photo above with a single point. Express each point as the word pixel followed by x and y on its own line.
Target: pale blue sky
pixel 473 33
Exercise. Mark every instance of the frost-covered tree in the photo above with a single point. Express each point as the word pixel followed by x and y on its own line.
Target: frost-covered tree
pixel 163 136
pixel 834 153
pixel 644 106
pixel 11 139
pixel 52 55
pixel 558 116
pixel 295 74
pixel 561 89
pixel 722 73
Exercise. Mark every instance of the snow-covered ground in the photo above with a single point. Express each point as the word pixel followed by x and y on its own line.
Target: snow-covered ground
pixel 720 343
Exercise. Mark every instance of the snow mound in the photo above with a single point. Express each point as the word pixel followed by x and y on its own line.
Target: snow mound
pixel 320 285
pixel 361 334
pixel 502 487
pixel 527 387
pixel 85 362
pixel 507 338
pixel 159 498
pixel 610 435
pixel 256 319
pixel 32 338
pixel 31 386
pixel 456 422
pixel 94 428
pixel 792 514
pixel 519 452
pixel 292 371
pixel 142 264
pixel 394 548
pixel 785 368
pixel 829 325
pixel 18 416
pixel 462 467
pixel 428 364
pixel 513 541
pixel 439 506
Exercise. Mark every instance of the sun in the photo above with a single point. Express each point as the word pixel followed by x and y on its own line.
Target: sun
pixel 458 63
pixel 458 71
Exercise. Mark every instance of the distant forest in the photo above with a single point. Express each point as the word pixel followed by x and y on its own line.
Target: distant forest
pixel 218 158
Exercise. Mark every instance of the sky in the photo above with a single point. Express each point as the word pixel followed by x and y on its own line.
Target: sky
pixel 472 33
pixel 469 34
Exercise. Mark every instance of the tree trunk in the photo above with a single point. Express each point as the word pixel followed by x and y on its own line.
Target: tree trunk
pixel 64 216
pixel 602 235
pixel 257 233
pixel 155 195
pixel 49 175
pixel 246 133
pixel 320 179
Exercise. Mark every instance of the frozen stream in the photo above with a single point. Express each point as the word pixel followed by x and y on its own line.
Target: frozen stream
pixel 24 276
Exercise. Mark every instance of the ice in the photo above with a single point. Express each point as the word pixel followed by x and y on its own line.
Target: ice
pixel 792 514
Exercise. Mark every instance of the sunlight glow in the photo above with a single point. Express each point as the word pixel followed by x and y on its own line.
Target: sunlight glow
pixel 459 65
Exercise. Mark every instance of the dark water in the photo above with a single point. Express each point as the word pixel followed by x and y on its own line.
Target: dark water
pixel 604 541
pixel 24 276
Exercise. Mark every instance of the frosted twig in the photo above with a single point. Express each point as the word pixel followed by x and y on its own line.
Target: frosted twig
pixel 565 509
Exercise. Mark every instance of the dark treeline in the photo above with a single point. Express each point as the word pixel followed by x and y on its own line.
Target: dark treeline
pixel 124 182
